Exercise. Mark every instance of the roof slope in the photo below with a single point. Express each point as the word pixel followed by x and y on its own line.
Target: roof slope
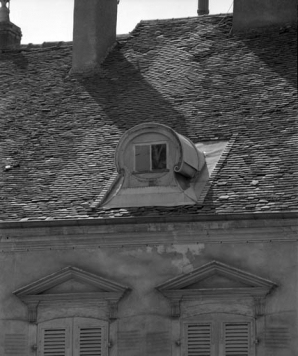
pixel 58 133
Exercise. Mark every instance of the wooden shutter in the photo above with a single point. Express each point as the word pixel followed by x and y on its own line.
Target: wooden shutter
pixel 90 339
pixel 199 340
pixel 54 338
pixel 54 342
pixel 90 342
pixel 236 339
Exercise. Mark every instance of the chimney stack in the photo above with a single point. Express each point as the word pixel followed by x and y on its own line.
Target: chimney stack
pixel 94 33
pixel 203 7
pixel 10 34
pixel 261 13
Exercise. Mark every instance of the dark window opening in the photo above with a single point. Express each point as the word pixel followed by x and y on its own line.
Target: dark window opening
pixel 150 158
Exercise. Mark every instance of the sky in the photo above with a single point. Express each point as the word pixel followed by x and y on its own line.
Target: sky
pixel 52 20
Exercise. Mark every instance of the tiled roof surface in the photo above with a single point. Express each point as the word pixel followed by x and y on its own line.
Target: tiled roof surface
pixel 58 132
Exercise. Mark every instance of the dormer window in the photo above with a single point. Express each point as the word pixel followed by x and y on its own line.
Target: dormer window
pixel 156 166
pixel 150 157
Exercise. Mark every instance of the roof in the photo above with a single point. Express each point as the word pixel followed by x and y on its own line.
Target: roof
pixel 58 132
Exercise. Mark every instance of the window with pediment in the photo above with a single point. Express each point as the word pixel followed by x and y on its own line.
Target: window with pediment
pixel 216 309
pixel 74 312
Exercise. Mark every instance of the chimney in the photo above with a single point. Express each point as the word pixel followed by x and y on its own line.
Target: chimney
pixel 203 7
pixel 10 34
pixel 94 33
pixel 261 13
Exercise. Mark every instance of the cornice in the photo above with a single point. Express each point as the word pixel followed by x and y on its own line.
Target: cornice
pixel 173 234
pixel 67 273
pixel 133 232
pixel 183 295
pixel 216 268
pixel 145 220
pixel 63 297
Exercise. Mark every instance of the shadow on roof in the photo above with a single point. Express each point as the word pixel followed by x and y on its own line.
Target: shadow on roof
pixel 278 50
pixel 19 60
pixel 127 97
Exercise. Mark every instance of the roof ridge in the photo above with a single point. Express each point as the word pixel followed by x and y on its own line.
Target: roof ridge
pixel 47 45
pixel 220 17
pixel 187 18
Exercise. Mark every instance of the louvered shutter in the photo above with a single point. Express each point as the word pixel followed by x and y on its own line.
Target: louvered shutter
pixel 90 337
pixel 198 340
pixel 54 342
pixel 236 339
pixel 54 338
pixel 90 341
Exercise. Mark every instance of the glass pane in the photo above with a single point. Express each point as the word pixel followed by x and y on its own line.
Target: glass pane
pixel 142 158
pixel 159 156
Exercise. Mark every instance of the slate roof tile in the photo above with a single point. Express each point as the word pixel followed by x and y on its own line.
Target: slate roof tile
pixel 58 132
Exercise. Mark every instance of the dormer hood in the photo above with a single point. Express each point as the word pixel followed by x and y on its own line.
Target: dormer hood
pixel 156 166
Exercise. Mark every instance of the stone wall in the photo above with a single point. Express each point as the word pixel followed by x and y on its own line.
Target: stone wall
pixel 144 325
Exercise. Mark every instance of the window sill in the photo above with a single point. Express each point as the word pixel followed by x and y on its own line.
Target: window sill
pixel 155 171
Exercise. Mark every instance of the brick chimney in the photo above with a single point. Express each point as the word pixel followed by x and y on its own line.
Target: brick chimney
pixel 10 34
pixel 94 33
pixel 261 13
pixel 203 7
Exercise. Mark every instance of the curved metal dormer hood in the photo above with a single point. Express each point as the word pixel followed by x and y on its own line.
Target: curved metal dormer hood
pixel 157 166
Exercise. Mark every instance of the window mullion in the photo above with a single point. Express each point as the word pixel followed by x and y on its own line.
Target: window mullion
pixel 150 158
pixel 221 338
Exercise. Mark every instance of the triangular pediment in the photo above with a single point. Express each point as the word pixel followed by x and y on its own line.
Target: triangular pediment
pixel 217 281
pixel 70 280
pixel 216 278
pixel 71 285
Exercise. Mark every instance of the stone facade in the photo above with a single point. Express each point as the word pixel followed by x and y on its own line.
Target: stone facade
pixel 136 260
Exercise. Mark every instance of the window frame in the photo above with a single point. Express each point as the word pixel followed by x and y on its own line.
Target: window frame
pixel 150 144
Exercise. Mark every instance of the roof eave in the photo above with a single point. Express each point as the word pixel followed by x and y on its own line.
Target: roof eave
pixel 147 219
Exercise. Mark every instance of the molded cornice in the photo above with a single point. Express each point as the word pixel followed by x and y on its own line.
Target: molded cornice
pixel 213 268
pixel 71 234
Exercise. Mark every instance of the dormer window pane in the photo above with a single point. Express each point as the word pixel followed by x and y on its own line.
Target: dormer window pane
pixel 159 156
pixel 150 158
pixel 142 158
